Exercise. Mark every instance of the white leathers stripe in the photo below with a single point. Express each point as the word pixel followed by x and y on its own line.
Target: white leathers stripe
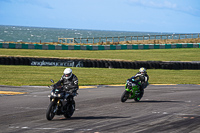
pixel 76 82
pixel 138 75
pixel 145 77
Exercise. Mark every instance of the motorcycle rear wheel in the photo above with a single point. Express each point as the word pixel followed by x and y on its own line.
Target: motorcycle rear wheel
pixel 50 111
pixel 70 110
pixel 124 96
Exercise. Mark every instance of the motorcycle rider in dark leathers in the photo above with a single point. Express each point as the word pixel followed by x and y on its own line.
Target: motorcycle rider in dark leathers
pixel 142 77
pixel 69 81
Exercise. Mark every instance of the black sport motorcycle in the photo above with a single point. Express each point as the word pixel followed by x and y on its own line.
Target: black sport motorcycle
pixel 61 102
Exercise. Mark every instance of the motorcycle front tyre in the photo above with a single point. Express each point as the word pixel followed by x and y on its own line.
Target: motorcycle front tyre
pixel 70 110
pixel 50 110
pixel 139 97
pixel 124 96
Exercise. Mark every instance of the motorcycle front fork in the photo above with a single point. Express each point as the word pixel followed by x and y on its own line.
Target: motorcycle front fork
pixel 57 106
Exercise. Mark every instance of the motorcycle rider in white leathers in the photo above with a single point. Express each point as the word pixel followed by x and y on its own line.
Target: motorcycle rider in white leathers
pixel 142 77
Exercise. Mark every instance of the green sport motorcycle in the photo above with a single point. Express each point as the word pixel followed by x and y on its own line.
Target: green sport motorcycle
pixel 132 91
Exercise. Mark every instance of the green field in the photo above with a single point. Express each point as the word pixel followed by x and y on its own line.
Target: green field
pixel 183 54
pixel 37 75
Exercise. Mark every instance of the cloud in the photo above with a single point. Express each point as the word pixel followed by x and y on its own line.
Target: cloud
pixel 153 4
pixel 5 0
pixel 167 4
pixel 40 3
pixel 190 10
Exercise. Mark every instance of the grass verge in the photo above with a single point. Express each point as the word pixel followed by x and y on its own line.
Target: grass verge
pixel 182 54
pixel 40 76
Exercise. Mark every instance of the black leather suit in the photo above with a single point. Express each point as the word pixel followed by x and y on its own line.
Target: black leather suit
pixel 69 84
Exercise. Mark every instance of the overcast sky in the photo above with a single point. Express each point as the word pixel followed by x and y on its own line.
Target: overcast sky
pixel 178 16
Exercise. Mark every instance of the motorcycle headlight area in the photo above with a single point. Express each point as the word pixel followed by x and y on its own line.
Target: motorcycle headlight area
pixel 133 84
pixel 56 95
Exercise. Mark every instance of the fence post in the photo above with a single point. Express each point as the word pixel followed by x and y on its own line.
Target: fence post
pixel 180 36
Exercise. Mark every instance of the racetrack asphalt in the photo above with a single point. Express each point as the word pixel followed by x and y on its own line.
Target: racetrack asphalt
pixel 163 109
pixel 13 92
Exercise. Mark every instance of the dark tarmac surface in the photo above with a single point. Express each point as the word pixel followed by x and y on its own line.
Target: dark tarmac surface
pixel 163 109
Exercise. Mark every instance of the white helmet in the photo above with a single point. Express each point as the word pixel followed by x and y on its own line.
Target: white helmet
pixel 68 73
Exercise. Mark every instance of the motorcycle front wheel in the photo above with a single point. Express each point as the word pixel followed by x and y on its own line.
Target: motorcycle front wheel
pixel 139 97
pixel 124 96
pixel 50 110
pixel 70 109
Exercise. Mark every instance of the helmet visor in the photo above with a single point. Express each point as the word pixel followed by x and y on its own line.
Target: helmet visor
pixel 68 74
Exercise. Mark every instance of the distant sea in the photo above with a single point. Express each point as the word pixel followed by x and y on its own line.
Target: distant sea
pixel 43 34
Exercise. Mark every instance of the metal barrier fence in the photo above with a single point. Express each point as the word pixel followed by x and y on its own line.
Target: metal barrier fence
pixel 98 47
pixel 128 38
